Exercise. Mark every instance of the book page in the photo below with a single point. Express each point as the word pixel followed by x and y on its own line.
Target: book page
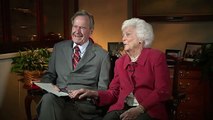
pixel 50 88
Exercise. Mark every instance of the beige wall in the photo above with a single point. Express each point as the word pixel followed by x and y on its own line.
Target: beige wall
pixel 109 15
pixel 175 35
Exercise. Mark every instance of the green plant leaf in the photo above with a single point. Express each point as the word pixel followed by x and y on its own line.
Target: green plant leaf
pixel 31 59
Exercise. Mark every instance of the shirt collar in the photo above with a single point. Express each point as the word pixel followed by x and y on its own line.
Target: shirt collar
pixel 82 47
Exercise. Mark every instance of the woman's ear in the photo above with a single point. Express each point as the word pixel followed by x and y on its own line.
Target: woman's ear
pixel 141 42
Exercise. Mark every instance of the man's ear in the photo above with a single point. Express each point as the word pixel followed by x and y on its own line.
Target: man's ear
pixel 91 31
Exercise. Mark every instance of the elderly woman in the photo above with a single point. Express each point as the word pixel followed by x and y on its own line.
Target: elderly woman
pixel 141 82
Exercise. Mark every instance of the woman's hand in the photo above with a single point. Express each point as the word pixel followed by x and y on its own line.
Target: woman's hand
pixel 132 113
pixel 82 93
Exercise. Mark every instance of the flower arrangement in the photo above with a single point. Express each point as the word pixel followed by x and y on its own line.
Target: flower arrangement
pixel 31 60
pixel 31 64
pixel 205 61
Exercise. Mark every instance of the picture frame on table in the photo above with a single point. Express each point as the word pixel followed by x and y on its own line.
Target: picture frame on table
pixel 192 50
pixel 115 48
pixel 171 55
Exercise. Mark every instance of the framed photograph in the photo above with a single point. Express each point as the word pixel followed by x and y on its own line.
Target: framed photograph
pixel 192 50
pixel 115 48
pixel 172 10
pixel 171 55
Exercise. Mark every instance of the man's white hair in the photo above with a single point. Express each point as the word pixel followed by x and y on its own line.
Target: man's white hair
pixel 144 30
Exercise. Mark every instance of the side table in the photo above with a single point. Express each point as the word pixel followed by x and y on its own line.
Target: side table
pixel 33 93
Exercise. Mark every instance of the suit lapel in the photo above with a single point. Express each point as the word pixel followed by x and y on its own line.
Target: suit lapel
pixel 68 52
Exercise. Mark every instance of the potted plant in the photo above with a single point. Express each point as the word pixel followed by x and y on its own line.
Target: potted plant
pixel 31 63
pixel 205 61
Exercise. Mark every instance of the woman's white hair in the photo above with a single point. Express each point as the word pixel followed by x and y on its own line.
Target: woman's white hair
pixel 144 30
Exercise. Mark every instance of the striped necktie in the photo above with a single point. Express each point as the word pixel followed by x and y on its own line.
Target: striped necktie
pixel 76 56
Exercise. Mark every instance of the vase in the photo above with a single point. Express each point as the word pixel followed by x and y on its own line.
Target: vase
pixel 31 76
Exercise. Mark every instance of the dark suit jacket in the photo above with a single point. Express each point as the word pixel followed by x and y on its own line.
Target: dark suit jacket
pixel 92 71
pixel 149 81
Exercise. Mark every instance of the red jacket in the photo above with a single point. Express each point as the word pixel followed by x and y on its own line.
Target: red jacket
pixel 149 81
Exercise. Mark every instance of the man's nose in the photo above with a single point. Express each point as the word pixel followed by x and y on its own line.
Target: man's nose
pixel 78 29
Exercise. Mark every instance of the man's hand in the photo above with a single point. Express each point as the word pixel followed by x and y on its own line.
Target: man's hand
pixel 82 93
pixel 56 88
pixel 132 113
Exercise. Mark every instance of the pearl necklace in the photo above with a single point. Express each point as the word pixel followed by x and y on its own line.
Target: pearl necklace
pixel 134 59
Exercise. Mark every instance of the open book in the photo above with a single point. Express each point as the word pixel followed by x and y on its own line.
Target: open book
pixel 50 88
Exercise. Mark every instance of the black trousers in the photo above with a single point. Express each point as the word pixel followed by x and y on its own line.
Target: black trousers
pixel 115 115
